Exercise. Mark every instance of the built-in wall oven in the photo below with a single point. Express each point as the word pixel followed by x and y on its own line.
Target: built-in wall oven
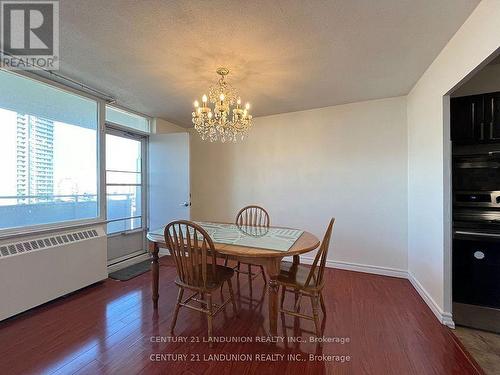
pixel 476 236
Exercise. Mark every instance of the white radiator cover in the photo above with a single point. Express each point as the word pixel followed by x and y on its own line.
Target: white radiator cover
pixel 34 277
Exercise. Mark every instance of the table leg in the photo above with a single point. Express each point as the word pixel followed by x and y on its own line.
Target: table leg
pixel 273 269
pixel 155 272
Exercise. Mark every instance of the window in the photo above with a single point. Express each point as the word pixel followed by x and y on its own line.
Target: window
pixel 127 119
pixel 48 148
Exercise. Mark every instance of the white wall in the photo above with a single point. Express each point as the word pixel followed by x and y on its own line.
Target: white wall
pixel 429 234
pixel 161 126
pixel 347 161
pixel 486 80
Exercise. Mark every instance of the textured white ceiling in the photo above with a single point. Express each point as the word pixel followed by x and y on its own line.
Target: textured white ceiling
pixel 285 55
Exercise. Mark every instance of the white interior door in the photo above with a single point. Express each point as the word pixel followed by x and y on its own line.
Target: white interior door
pixel 169 189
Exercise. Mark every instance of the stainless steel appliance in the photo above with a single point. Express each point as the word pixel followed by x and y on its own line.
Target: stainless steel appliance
pixel 476 236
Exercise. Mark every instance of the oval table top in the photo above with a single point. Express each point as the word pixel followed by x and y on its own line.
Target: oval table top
pixel 305 243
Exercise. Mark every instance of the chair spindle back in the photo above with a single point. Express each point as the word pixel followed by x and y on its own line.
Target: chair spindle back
pixel 320 259
pixel 191 247
pixel 253 215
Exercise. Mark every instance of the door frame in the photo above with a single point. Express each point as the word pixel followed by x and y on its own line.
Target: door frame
pixel 121 131
pixel 447 314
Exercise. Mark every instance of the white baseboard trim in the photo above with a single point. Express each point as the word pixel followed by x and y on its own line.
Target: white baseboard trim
pixel 128 262
pixel 443 316
pixel 377 270
pixel 447 320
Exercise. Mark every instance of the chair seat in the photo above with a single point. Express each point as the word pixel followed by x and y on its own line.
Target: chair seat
pixel 222 274
pixel 295 275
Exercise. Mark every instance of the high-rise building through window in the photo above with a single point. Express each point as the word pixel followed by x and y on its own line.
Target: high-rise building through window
pixel 49 152
pixel 35 158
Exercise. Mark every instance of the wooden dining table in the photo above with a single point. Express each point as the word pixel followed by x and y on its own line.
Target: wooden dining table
pixel 270 259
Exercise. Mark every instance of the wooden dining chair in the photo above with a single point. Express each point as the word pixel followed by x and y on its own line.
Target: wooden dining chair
pixel 197 270
pixel 252 216
pixel 304 280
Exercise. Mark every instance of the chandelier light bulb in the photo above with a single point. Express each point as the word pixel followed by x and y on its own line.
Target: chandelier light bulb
pixel 238 101
pixel 247 106
pixel 196 104
pixel 204 98
pixel 209 114
pixel 221 97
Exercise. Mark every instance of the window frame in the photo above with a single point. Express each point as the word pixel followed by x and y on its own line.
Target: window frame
pixel 125 128
pixel 144 139
pixel 100 167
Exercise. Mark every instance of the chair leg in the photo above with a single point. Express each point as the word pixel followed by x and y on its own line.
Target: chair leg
pixel 298 297
pixel 315 306
pixel 283 290
pixel 231 294
pixel 225 261
pixel 250 278
pixel 263 274
pixel 238 271
pixel 176 312
pixel 323 308
pixel 209 318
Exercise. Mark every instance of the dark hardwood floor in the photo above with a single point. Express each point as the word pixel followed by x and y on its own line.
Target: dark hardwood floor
pixel 111 328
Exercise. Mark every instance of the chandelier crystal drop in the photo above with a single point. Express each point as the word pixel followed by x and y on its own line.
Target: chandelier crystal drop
pixel 227 120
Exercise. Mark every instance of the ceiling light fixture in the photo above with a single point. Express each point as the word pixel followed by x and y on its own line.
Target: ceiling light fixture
pixel 228 120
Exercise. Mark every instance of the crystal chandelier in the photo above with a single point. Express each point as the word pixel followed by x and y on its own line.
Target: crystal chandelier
pixel 227 121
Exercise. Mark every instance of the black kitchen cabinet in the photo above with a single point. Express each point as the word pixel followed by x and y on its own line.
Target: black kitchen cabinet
pixel 476 118
pixel 492 115
pixel 467 118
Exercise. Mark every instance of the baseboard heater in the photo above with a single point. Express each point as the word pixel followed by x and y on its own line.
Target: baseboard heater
pixel 37 269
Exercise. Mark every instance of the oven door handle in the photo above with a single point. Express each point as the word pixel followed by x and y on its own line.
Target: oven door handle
pixel 477 234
